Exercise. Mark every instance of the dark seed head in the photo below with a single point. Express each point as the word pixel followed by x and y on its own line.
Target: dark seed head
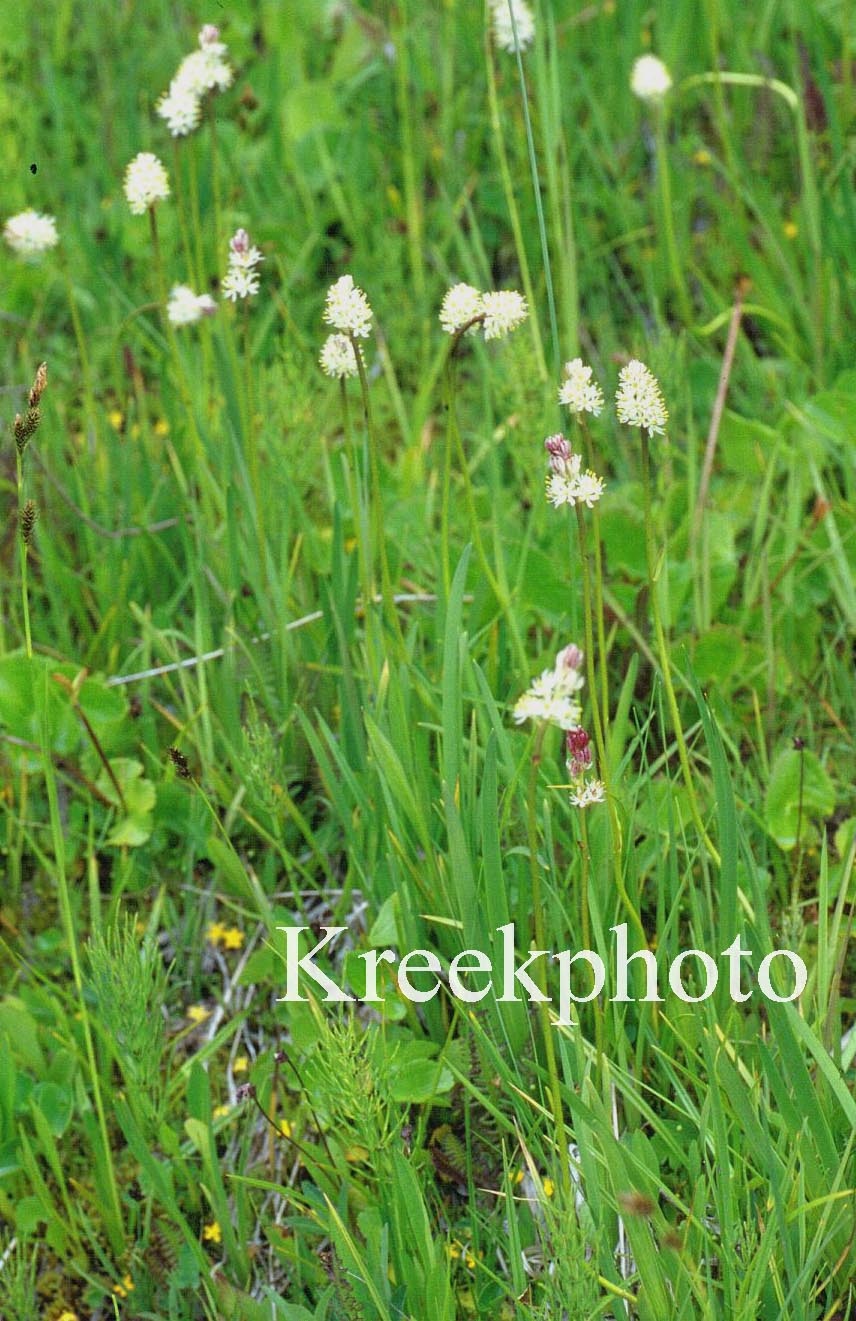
pixel 180 762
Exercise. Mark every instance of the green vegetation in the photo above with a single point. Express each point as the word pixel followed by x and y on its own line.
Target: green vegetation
pixel 379 577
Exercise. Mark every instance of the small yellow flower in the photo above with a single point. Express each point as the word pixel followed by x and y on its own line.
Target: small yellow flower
pixel 519 1176
pixel 470 1261
pixel 790 229
pixel 241 1064
pixel 702 157
pixel 122 1290
pixel 212 1233
pixel 115 418
pixel 198 1013
pixel 454 1250
pixel 220 1111
pixel 67 1316
pixel 215 933
pixel 549 1187
pixel 233 938
pixel 161 427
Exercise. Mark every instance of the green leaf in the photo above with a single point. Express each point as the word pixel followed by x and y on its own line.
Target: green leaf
pixel 56 1104
pixel 135 823
pixel 788 787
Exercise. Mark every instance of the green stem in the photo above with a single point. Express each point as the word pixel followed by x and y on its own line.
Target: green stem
pixel 541 944
pixel 25 600
pixel 668 219
pixel 253 442
pixel 663 652
pixel 377 520
pixel 363 544
pixel 598 597
pixel 603 761
pixel 215 493
pixel 513 212
pixel 586 925
pixel 215 175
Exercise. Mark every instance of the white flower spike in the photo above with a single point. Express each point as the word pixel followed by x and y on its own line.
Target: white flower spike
pixel 184 307
pixel 504 28
pixel 567 484
pixel 347 308
pixel 146 183
pixel 639 399
pixel 551 697
pixel 204 70
pixel 650 80
pixel 504 311
pixel 338 359
pixel 462 304
pixel 31 234
pixel 578 391
pixel 241 279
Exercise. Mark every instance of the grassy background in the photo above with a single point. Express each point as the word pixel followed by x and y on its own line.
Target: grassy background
pixel 344 773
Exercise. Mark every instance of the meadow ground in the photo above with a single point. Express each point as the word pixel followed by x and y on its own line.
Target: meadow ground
pixel 281 647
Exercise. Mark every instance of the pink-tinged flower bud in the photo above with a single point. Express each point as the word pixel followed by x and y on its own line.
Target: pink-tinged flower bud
pixel 240 241
pixel 569 658
pixel 209 34
pixel 558 447
pixel 579 752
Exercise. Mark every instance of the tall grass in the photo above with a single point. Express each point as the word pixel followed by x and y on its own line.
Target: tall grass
pixel 334 595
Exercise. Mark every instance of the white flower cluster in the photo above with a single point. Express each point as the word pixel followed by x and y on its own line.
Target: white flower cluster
pixel 639 400
pixel 650 80
pixel 497 313
pixel 461 306
pixel 504 27
pixel 146 182
pixel 588 792
pixel 241 279
pixel 30 234
pixel 551 696
pixel 504 311
pixel 567 484
pixel 347 308
pixel 204 70
pixel 338 358
pixel 578 391
pixel 184 306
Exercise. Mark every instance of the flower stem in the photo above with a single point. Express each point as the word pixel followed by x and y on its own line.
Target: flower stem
pixel 603 761
pixel 586 925
pixel 377 521
pixel 360 530
pixel 663 653
pixel 668 220
pixel 540 943
pixel 25 550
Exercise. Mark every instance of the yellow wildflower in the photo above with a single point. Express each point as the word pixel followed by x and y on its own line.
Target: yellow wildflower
pixel 702 157
pixel 116 419
pixel 212 1233
pixel 233 938
pixel 790 229
pixel 549 1187
pixel 220 1111
pixel 215 933
pixel 241 1064
pixel 122 1290
pixel 198 1013
pixel 161 427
